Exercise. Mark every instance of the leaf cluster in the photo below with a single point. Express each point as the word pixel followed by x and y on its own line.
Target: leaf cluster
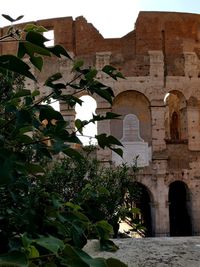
pixel 30 130
pixel 38 228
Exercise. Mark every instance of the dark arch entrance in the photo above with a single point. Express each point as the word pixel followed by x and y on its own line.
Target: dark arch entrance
pixel 143 202
pixel 180 224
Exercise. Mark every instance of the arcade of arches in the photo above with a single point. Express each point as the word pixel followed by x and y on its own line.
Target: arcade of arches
pixel 159 102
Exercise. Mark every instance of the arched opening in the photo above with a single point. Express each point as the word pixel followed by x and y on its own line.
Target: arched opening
pixel 180 223
pixel 175 116
pixel 143 202
pixel 132 102
pixel 85 112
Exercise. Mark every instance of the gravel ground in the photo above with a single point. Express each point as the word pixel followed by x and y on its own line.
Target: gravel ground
pixel 153 252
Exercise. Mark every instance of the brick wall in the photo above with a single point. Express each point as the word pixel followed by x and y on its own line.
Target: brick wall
pixel 172 33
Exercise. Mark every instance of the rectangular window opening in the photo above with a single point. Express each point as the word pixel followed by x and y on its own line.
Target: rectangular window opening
pixel 49 35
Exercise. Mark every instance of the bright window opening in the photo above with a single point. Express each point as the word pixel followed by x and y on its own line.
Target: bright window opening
pixel 84 112
pixel 54 103
pixel 50 36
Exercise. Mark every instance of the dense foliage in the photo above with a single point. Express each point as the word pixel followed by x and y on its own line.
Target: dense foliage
pixel 102 192
pixel 38 228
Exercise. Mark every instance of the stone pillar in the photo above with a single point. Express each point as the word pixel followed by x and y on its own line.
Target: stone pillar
pixel 159 165
pixel 66 66
pixel 69 115
pixel 156 64
pixel 195 217
pixel 191 64
pixel 158 125
pixel 161 209
pixel 153 207
pixel 194 209
pixel 193 118
pixel 102 59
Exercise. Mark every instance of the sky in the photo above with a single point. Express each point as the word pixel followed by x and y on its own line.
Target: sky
pixel 113 18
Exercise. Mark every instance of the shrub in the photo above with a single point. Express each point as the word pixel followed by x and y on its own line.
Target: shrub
pixel 103 192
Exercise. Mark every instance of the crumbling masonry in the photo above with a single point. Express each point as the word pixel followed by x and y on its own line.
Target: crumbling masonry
pixel 159 102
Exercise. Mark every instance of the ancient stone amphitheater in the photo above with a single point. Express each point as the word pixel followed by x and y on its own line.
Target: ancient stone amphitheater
pixel 160 106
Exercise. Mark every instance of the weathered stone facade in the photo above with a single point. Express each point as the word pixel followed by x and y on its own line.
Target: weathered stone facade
pixel 160 59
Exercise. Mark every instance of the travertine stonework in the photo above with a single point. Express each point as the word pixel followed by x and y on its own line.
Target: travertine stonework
pixel 160 59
